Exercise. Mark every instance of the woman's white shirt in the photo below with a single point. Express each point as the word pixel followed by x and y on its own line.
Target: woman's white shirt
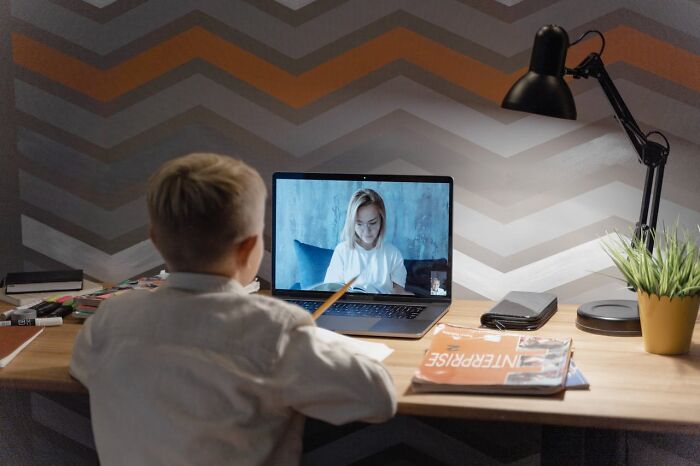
pixel 379 267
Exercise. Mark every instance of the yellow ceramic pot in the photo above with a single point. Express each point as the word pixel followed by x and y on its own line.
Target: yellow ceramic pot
pixel 667 324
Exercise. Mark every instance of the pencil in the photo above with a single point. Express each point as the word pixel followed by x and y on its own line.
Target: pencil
pixel 334 297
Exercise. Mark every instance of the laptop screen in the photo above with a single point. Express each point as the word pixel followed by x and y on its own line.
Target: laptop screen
pixel 391 232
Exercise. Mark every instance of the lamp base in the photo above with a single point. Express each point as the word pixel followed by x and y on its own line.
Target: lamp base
pixel 614 317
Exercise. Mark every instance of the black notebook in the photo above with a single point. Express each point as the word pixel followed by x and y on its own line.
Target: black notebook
pixel 32 282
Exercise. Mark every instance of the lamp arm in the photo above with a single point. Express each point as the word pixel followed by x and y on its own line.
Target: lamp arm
pixel 649 153
pixel 592 66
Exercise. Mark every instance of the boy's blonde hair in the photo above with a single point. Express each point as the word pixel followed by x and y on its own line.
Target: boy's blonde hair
pixel 202 204
pixel 361 198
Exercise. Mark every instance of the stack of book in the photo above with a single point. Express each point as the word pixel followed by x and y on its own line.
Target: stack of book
pixel 86 305
pixel 462 359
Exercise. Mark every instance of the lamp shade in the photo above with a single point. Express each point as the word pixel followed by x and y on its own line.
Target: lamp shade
pixel 542 89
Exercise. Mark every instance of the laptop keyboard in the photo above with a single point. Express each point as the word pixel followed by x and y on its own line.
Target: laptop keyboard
pixel 384 311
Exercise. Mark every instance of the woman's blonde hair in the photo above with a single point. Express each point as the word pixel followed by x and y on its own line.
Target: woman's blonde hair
pixel 362 198
pixel 202 204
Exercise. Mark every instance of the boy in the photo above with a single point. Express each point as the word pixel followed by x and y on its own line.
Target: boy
pixel 198 371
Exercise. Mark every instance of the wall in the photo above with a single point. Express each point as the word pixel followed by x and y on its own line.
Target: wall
pixel 104 91
pixel 95 94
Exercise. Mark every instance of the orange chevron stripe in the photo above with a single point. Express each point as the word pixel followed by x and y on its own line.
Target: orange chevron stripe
pixel 625 44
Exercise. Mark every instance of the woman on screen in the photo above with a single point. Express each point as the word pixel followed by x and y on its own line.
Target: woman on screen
pixel 363 251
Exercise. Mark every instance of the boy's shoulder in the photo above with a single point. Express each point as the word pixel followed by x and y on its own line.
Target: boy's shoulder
pixel 276 309
pixel 253 326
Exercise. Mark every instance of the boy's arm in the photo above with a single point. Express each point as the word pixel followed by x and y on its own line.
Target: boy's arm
pixel 83 351
pixel 331 383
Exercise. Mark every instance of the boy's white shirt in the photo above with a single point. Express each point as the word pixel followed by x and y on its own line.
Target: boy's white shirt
pixel 199 372
pixel 379 267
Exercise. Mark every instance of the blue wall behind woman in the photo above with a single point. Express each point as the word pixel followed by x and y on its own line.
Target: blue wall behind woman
pixel 313 212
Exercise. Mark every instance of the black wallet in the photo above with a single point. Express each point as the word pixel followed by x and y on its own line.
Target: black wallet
pixel 521 310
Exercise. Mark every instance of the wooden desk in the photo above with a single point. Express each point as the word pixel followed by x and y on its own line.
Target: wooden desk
pixel 630 389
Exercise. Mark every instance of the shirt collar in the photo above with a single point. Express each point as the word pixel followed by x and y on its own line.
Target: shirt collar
pixel 203 282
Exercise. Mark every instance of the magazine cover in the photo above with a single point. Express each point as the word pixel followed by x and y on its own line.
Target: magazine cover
pixel 475 360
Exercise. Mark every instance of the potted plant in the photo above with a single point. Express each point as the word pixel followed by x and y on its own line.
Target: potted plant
pixel 667 283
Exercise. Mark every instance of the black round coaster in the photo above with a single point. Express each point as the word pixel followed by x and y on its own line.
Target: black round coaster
pixel 614 317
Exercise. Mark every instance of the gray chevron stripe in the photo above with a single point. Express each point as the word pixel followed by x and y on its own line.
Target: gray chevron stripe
pixel 295 12
pixel 593 287
pixel 296 66
pixel 195 91
pixel 542 200
pixel 398 93
pixel 101 11
pixel 507 192
pixel 296 139
pixel 296 42
pixel 567 173
pixel 567 266
pixel 440 144
pixel 111 185
pixel 399 119
pixel 33 261
pixel 504 240
pixel 621 71
pixel 264 100
pixel 107 224
pixel 85 234
pixel 158 136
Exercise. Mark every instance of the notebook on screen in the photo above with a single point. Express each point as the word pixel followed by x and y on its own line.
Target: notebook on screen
pixel 393 232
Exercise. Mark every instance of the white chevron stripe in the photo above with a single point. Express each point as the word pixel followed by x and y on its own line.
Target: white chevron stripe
pixel 99 3
pixel 505 239
pixel 295 4
pixel 612 200
pixel 298 41
pixel 396 94
pixel 76 254
pixel 542 275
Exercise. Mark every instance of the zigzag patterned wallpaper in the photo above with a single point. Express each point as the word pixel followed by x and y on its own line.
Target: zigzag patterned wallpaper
pixel 98 93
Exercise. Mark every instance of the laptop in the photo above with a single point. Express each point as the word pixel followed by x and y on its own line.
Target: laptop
pixel 392 232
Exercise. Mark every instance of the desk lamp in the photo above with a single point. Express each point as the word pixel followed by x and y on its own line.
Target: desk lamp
pixel 542 90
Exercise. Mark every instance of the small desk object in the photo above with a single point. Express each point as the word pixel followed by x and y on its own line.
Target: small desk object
pixel 630 389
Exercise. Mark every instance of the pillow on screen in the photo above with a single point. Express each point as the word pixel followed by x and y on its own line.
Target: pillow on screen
pixel 312 263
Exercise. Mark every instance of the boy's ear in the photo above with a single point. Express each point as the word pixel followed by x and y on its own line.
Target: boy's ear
pixel 245 247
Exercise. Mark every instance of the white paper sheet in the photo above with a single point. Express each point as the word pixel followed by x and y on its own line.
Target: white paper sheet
pixel 376 351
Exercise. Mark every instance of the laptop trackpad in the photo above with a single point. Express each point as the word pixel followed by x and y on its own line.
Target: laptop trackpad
pixel 409 327
pixel 339 323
